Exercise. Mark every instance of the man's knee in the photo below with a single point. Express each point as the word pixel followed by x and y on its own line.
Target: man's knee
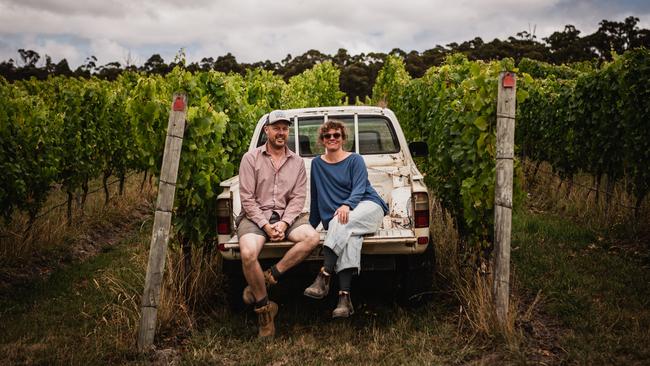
pixel 247 256
pixel 306 235
pixel 313 238
pixel 248 251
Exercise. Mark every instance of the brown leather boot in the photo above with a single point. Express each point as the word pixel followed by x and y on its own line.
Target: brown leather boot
pixel 248 297
pixel 344 309
pixel 321 286
pixel 266 319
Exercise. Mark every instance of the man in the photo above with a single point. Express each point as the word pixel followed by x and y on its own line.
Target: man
pixel 272 188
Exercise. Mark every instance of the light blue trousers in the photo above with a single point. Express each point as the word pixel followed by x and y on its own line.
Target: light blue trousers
pixel 346 240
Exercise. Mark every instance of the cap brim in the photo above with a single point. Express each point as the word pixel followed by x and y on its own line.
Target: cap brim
pixel 280 120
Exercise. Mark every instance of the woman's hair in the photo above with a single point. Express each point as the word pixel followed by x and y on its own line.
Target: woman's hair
pixel 332 124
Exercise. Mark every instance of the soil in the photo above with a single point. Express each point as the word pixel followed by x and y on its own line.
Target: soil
pixel 542 332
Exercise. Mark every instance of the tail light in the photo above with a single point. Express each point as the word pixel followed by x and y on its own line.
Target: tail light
pixel 224 223
pixel 421 209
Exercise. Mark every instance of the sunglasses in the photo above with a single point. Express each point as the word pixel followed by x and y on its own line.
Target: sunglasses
pixel 327 136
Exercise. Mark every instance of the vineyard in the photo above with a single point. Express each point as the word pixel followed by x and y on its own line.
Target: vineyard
pixel 63 133
pixel 66 132
pixel 579 120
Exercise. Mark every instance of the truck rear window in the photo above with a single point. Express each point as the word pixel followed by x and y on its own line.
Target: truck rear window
pixel 376 136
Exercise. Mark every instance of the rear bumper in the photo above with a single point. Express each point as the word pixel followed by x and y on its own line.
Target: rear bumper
pixel 398 242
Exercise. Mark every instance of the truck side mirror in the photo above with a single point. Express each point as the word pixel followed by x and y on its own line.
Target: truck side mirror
pixel 419 149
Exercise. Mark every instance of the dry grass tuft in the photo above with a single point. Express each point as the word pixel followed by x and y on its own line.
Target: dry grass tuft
pixel 49 243
pixel 177 313
pixel 472 289
pixel 23 243
pixel 178 308
pixel 121 312
pixel 595 205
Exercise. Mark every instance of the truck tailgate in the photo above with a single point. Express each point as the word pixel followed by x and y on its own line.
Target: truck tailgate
pixel 383 241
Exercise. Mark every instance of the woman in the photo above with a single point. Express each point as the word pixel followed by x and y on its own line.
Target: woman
pixel 347 205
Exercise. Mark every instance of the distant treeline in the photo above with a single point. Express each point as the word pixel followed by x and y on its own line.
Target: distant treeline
pixel 358 72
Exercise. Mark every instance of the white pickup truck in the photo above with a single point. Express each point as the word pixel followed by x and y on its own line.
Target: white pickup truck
pixel 403 241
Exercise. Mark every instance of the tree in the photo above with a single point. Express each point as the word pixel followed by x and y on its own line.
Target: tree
pixel 306 61
pixel 62 68
pixel 110 71
pixel 618 37
pixel 567 46
pixel 155 65
pixel 29 57
pixel 228 63
pixel 87 68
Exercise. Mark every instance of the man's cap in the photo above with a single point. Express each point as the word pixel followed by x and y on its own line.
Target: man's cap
pixel 278 116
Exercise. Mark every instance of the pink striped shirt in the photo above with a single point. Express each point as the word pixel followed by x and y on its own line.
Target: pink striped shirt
pixel 264 189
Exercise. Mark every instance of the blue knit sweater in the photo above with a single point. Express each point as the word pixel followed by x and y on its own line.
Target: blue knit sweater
pixel 342 183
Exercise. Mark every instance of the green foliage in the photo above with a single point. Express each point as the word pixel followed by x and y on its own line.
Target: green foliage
pixel 29 150
pixel 577 118
pixel 316 87
pixel 453 108
pixel 595 122
pixel 634 106
pixel 391 82
pixel 67 131
pixel 539 69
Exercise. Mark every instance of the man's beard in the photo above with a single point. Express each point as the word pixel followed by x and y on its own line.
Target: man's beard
pixel 274 143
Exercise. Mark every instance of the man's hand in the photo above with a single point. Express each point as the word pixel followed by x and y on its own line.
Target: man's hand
pixel 272 232
pixel 343 213
pixel 281 228
pixel 275 231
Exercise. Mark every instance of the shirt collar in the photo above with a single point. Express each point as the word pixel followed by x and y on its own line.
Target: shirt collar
pixel 287 152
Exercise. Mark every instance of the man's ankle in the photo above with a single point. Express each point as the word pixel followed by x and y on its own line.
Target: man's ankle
pixel 276 272
pixel 263 302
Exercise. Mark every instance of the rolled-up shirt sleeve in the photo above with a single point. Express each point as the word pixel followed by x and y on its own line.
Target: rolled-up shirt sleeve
pixel 297 197
pixel 247 184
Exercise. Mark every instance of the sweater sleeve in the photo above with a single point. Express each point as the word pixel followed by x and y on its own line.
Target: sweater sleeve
pixel 314 214
pixel 359 174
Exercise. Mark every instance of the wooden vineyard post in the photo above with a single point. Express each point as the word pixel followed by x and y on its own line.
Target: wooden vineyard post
pixel 506 99
pixel 162 222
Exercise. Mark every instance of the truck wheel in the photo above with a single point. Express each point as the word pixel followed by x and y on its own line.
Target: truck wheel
pixel 417 277
pixel 235 283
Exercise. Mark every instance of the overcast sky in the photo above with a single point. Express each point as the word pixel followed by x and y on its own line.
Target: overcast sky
pixel 256 30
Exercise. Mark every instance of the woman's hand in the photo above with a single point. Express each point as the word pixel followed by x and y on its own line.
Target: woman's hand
pixel 343 213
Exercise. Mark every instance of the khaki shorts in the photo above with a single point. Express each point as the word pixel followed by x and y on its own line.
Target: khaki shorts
pixel 246 226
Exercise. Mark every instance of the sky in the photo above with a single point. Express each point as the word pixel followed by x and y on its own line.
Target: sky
pixel 130 31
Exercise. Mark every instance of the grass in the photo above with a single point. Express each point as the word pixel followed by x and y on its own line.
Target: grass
pixel 587 260
pixel 29 252
pixel 580 296
pixel 599 293
pixel 88 313
pixel 66 319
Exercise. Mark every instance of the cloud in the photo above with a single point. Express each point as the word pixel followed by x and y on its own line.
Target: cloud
pixel 109 8
pixel 255 30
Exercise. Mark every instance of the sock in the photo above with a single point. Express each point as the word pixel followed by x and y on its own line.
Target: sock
pixel 263 302
pixel 345 279
pixel 275 272
pixel 330 260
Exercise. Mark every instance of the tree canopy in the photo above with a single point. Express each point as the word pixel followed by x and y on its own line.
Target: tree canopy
pixel 359 72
